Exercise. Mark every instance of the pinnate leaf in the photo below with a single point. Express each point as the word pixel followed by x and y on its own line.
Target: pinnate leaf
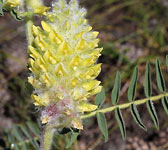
pixel 121 123
pixel 136 116
pixel 116 89
pixel 132 87
pixel 148 85
pixel 152 113
pixel 102 125
pixel 159 77
pixel 100 98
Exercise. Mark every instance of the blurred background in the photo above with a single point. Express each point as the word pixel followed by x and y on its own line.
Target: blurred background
pixel 132 32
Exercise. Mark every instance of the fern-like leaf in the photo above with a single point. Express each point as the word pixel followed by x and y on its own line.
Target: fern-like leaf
pixel 153 113
pixel 132 87
pixel 121 123
pixel 148 84
pixel 159 77
pixel 100 97
pixel 165 104
pixel 101 119
pixel 136 116
pixel 116 89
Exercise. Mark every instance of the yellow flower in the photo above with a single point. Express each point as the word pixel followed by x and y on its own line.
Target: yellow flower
pixel 38 7
pixel 63 63
pixel 12 3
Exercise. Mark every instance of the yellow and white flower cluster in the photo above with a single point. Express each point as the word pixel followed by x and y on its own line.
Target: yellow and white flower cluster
pixel 62 60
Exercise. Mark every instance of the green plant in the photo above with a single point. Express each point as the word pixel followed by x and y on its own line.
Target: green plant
pixel 35 39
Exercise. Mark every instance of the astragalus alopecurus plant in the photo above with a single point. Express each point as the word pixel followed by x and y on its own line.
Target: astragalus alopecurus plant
pixel 62 60
pixel 63 52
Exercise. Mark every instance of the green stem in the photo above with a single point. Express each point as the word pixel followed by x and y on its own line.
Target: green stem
pixel 47 138
pixel 29 24
pixel 126 105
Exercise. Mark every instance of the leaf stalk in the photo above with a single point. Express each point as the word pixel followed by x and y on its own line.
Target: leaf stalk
pixel 123 106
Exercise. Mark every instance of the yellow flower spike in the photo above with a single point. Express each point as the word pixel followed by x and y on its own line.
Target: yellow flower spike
pixel 67 25
pixel 94 43
pixel 81 45
pixel 60 71
pixel 33 69
pixel 52 37
pixel 38 7
pixel 59 37
pixel 12 3
pixel 79 93
pixel 45 120
pixel 46 56
pixel 62 3
pixel 92 73
pixel 76 61
pixel 74 82
pixel 41 10
pixel 89 28
pixel 60 95
pixel 45 78
pixel 55 38
pixel 42 40
pixel 96 90
pixel 31 62
pixel 96 69
pixel 39 44
pixel 86 107
pixel 85 21
pixel 30 80
pixel 64 49
pixel 52 60
pixel 95 34
pixel 35 30
pixel 78 35
pixel 64 54
pixel 91 85
pixel 33 51
pixel 38 101
pixel 40 65
pixel 77 124
pixel 90 61
pixel 46 27
pixel 43 68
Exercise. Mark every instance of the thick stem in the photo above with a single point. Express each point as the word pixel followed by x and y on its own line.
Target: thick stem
pixel 47 138
pixel 126 105
pixel 29 24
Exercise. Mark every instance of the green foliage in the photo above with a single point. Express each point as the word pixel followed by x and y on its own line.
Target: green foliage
pixel 1 9
pixel 120 121
pixel 101 119
pixel 165 104
pixel 132 87
pixel 15 15
pixel 72 139
pixel 116 89
pixel 28 136
pixel 136 116
pixel 132 104
pixel 148 85
pixel 100 97
pixel 153 113
pixel 23 136
pixel 159 77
